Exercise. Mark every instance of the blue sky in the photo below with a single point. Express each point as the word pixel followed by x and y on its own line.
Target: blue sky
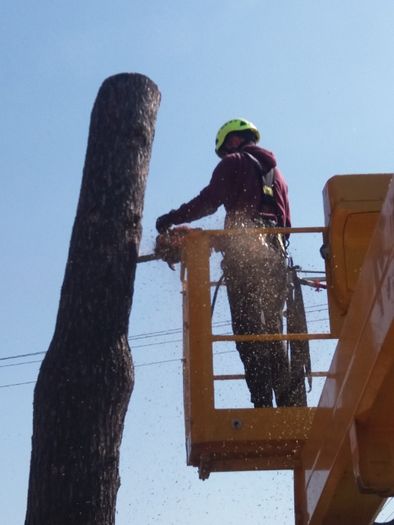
pixel 315 76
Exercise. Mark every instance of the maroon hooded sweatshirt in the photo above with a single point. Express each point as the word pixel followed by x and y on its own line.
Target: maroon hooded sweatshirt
pixel 236 184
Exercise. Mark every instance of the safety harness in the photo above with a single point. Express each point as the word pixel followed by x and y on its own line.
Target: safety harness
pixel 266 178
pixel 267 197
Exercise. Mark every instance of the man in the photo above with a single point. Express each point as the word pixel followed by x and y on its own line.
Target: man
pixel 254 265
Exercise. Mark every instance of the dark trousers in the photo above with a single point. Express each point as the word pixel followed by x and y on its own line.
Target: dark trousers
pixel 256 280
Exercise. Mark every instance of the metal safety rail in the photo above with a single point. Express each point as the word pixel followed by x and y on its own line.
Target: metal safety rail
pixel 231 439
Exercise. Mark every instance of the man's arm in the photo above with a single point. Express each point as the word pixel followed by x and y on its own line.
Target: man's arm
pixel 206 202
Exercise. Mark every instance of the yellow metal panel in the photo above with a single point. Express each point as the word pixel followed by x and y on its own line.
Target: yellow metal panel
pixel 355 188
pixel 352 204
pixel 358 388
pixel 250 439
pixel 357 232
pixel 345 506
pixel 373 457
pixel 372 433
pixel 249 424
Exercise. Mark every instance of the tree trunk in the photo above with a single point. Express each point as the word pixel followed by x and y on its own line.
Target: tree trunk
pixel 87 377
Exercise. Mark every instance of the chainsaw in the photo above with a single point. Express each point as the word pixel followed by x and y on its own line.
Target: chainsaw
pixel 168 247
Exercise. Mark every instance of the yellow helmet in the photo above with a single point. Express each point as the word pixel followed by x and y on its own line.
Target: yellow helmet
pixel 238 124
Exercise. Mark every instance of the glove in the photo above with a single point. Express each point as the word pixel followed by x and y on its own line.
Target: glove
pixel 163 223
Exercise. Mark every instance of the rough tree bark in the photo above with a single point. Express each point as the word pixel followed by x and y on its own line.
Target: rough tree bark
pixel 86 378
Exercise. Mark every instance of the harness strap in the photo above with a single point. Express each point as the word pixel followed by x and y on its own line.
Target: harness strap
pixel 267 178
pixel 268 190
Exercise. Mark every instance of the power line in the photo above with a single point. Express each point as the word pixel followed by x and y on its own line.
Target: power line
pixel 20 364
pixel 159 343
pixel 146 335
pixel 149 335
pixel 177 359
pixel 312 271
pixel 20 356
pixel 170 331
pixel 159 362
pixel 17 384
pixel 135 366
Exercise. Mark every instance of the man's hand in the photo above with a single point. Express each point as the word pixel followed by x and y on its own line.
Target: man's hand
pixel 163 223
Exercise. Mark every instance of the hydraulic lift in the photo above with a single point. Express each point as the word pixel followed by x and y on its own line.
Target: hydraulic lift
pixel 342 451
